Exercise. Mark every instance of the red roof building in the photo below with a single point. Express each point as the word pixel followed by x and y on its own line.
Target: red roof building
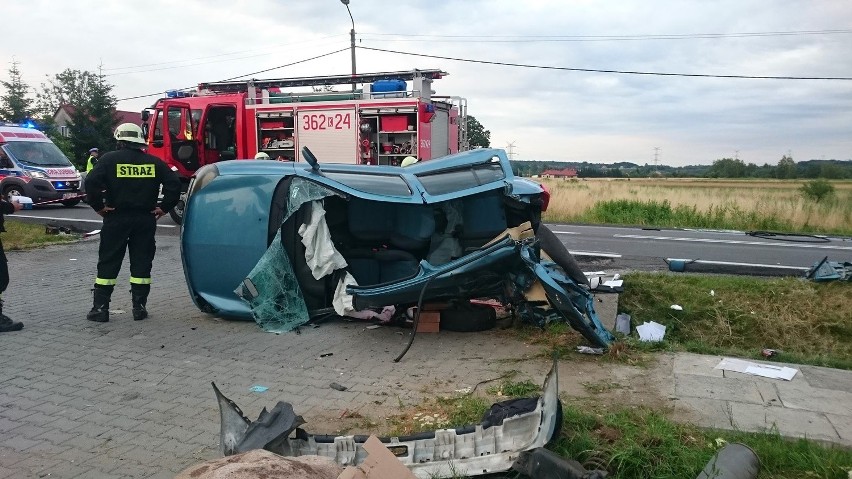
pixel 563 173
pixel 62 118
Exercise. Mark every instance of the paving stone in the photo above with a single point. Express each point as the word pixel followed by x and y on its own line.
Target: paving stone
pixel 729 389
pixel 755 417
pixel 843 427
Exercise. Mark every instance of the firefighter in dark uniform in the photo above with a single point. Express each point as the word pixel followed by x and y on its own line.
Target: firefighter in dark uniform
pixel 124 188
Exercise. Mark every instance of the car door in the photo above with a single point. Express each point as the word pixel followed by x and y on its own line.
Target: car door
pixel 178 126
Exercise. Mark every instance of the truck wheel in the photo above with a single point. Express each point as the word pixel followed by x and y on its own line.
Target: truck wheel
pixel 11 191
pixel 177 212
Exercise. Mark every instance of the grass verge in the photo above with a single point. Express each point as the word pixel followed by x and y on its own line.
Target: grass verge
pixel 807 322
pixel 635 443
pixel 20 235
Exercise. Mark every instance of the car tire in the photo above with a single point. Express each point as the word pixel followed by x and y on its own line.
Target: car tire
pixel 71 203
pixel 468 318
pixel 12 190
pixel 176 213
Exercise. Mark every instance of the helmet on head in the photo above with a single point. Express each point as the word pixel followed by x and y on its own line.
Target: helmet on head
pixel 408 160
pixel 93 150
pixel 131 133
pixel 261 155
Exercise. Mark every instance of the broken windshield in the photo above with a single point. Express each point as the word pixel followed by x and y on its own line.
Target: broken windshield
pixel 37 153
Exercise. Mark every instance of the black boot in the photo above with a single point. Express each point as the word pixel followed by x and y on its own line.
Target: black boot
pixel 139 298
pixel 6 323
pixel 100 304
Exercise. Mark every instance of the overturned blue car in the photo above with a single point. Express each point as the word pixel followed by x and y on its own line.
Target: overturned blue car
pixel 285 243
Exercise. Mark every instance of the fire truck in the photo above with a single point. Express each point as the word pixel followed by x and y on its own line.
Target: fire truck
pixel 393 116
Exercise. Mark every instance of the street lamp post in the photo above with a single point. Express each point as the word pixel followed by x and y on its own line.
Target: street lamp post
pixel 351 40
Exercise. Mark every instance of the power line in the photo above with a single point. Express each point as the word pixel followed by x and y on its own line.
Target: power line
pixel 592 70
pixel 580 38
pixel 240 76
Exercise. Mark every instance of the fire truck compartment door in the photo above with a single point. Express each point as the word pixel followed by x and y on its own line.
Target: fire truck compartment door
pixel 331 134
pixel 179 130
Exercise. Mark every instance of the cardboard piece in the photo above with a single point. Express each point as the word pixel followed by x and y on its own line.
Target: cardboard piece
pixel 756 369
pixel 379 464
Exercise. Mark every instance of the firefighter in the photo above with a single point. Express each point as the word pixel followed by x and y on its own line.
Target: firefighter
pixel 123 188
pixel 92 160
pixel 6 323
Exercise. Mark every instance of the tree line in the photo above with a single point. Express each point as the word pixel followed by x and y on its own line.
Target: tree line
pixel 93 112
pixel 786 168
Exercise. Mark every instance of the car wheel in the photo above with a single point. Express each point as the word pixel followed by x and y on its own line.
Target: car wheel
pixel 11 191
pixel 468 318
pixel 70 203
pixel 177 212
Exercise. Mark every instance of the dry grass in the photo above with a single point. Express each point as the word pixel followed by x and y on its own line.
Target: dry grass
pixel 779 199
pixel 808 322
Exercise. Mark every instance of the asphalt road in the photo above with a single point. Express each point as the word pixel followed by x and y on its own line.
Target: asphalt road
pixel 603 246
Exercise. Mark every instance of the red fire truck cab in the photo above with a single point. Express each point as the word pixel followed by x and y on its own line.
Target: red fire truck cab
pixel 381 123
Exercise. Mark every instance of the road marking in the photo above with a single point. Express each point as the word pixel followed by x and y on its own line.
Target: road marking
pixel 595 253
pixel 751 243
pixel 74 219
pixel 565 232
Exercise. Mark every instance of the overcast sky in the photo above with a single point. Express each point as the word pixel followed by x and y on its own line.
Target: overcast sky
pixel 147 47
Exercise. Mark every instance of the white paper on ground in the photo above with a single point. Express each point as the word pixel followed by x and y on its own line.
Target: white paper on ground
pixel 614 283
pixel 755 369
pixel 651 331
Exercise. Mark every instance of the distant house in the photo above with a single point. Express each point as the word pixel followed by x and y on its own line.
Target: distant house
pixel 62 118
pixel 563 173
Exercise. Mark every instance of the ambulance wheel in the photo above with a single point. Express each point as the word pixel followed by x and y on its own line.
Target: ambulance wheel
pixel 11 191
pixel 70 203
pixel 177 212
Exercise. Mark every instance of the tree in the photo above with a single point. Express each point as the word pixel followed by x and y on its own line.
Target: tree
pixel 15 107
pixel 93 117
pixel 477 135
pixel 786 168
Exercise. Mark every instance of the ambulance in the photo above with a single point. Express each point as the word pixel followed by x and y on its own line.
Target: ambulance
pixel 32 166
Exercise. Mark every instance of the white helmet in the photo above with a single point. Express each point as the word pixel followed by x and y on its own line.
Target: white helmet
pixel 261 155
pixel 131 133
pixel 408 160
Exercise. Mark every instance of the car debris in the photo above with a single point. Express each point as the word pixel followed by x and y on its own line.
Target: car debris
pixel 825 270
pixel 493 445
pixel 651 331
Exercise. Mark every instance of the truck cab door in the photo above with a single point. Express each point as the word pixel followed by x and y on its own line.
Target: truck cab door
pixel 179 142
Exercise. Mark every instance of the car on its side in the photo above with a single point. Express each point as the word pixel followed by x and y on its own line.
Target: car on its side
pixel 284 242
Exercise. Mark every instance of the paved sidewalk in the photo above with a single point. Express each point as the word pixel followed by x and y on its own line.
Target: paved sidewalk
pixel 133 399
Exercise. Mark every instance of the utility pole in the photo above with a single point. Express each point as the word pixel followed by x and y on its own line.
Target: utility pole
pixel 656 156
pixel 351 40
pixel 511 147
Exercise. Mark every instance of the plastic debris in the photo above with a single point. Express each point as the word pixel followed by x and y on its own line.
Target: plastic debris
pixel 622 323
pixel 677 307
pixel 258 389
pixel 651 332
pixel 588 350
pixel 325 355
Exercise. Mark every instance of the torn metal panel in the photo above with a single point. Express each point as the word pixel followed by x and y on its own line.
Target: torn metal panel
pixel 467 451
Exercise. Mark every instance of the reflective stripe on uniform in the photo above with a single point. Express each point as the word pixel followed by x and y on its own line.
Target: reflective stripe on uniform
pixel 124 170
pixel 105 282
pixel 140 280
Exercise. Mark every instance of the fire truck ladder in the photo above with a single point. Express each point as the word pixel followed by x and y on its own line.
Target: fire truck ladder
pixel 247 85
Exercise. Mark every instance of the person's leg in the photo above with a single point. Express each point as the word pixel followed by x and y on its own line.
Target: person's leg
pixel 110 255
pixel 142 247
pixel 6 323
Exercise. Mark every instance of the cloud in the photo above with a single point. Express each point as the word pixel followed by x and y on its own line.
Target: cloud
pixel 149 47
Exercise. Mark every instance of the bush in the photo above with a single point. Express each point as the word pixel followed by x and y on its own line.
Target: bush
pixel 817 190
